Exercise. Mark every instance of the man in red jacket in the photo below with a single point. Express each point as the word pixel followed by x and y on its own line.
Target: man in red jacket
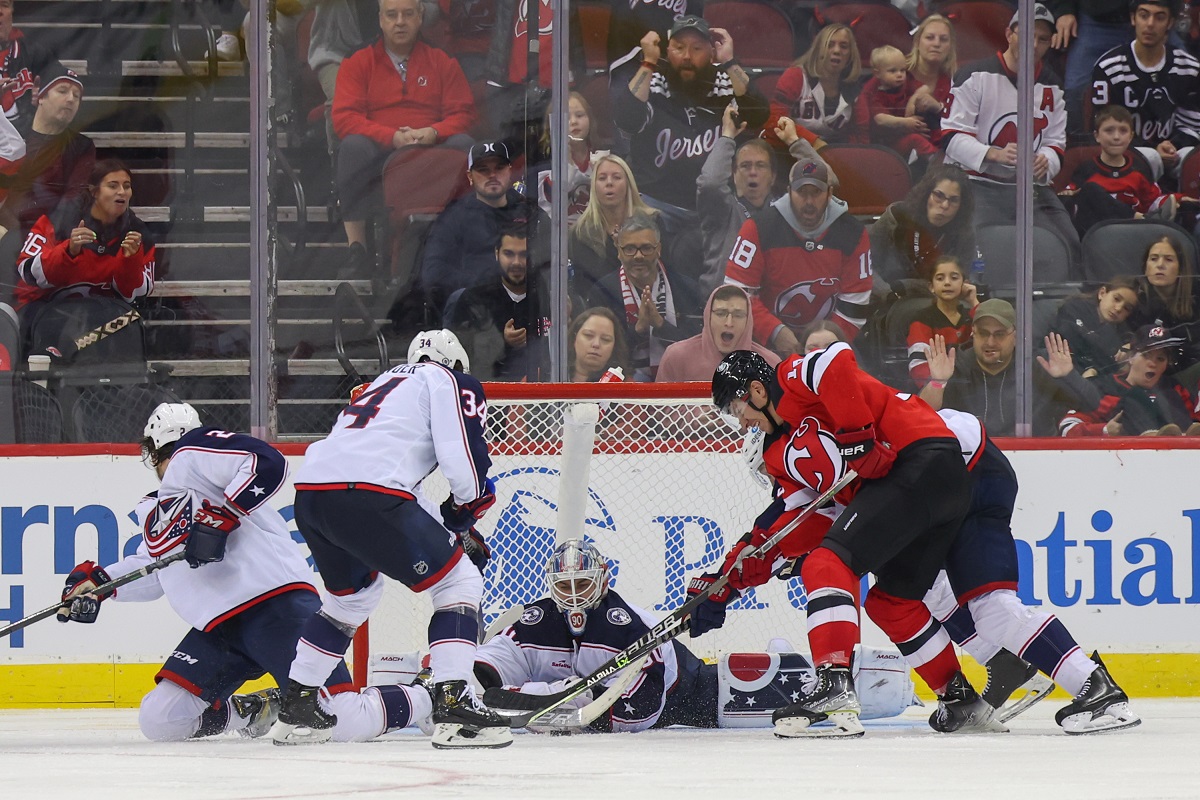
pixel 396 93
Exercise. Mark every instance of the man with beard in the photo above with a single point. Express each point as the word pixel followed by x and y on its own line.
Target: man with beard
pixel 672 110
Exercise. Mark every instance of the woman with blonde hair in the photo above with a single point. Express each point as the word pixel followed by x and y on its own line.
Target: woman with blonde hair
pixel 592 246
pixel 819 90
pixel 931 65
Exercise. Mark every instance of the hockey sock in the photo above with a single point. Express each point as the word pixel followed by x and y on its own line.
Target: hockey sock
pixel 919 636
pixel 215 719
pixel 403 706
pixel 832 612
pixel 322 645
pixel 1038 637
pixel 961 627
pixel 453 634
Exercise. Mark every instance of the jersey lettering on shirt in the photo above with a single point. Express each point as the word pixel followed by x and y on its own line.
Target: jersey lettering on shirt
pixel 1164 101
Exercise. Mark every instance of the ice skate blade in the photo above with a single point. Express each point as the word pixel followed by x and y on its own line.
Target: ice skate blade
pixel 1036 689
pixel 453 735
pixel 284 734
pixel 1116 717
pixel 844 725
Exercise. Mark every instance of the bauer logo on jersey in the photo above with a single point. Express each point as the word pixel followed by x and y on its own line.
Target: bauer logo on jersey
pixel 531 616
pixel 619 616
pixel 169 522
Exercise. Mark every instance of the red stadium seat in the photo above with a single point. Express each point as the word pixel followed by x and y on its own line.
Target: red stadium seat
pixel 1189 175
pixel 596 92
pixel 979 27
pixel 762 34
pixel 594 19
pixel 421 181
pixel 871 176
pixel 873 24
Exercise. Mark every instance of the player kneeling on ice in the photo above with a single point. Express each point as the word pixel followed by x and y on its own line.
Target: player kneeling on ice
pixel 361 508
pixel 247 594
pixel 576 630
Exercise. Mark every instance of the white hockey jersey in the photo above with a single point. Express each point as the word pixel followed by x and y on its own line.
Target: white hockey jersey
pixel 411 420
pixel 261 559
pixel 982 113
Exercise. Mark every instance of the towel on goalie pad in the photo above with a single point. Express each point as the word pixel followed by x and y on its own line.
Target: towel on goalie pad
pixel 752 685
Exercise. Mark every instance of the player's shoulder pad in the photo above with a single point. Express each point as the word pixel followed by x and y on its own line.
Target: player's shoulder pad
pixel 814 365
pixel 209 437
pixel 614 623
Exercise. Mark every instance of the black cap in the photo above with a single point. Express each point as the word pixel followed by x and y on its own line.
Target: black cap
pixel 698 24
pixel 54 73
pixel 1154 337
pixel 483 150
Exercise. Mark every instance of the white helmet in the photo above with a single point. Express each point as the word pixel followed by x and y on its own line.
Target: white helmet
pixel 578 578
pixel 169 422
pixel 442 347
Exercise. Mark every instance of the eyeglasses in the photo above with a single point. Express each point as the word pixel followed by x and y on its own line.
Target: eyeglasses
pixel 725 313
pixel 638 249
pixel 944 199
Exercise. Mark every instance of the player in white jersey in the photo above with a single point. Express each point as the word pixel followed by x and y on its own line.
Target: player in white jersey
pixel 361 508
pixel 247 595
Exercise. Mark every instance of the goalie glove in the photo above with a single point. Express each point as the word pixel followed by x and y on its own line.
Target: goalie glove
pixel 709 615
pixel 78 604
pixel 475 548
pixel 869 457
pixel 461 518
pixel 209 534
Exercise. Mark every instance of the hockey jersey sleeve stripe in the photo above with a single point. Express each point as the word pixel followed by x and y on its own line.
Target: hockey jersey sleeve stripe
pixel 816 363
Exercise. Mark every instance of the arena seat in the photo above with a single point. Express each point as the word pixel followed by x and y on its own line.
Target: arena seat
pixel 421 181
pixel 979 27
pixel 762 34
pixel 1116 247
pixel 998 244
pixel 871 176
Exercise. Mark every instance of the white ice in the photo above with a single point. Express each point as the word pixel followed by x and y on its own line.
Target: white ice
pixel 48 754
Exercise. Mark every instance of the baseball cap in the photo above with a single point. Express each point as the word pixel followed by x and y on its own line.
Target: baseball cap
pixel 999 310
pixel 54 73
pixel 698 24
pixel 484 150
pixel 1154 337
pixel 1040 14
pixel 809 172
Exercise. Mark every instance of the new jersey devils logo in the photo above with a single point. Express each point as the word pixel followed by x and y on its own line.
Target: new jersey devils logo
pixel 1004 130
pixel 811 456
pixel 804 302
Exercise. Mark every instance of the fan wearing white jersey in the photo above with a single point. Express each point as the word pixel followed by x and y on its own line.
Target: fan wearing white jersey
pixel 247 595
pixel 361 509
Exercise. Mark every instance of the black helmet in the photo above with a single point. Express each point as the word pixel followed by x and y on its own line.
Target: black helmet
pixel 734 374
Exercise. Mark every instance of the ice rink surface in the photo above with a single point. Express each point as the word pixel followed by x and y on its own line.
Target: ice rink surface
pixel 100 753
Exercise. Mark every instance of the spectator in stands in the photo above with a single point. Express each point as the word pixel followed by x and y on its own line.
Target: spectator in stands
pixel 723 207
pixel 596 344
pixel 461 246
pixel 1157 83
pixel 672 112
pixel 820 89
pixel 820 334
pixel 658 305
pixel 1094 324
pixel 948 315
pixel 1141 399
pixel 728 322
pixel 981 380
pixel 507 319
pixel 805 258
pixel 883 113
pixel 932 221
pixel 1167 295
pixel 1111 185
pixel 592 244
pixel 95 246
pixel 21 63
pixel 931 65
pixel 1086 30
pixel 581 161
pixel 979 134
pixel 397 93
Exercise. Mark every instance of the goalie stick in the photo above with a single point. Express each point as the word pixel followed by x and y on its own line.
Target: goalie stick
pixel 666 630
pixel 564 720
pixel 102 591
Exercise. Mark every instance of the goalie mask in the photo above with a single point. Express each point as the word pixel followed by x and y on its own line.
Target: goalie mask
pixel 578 579
pixel 441 347
pixel 167 425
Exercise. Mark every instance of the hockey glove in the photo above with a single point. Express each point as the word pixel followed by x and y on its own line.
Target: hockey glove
pixel 209 534
pixel 869 457
pixel 76 606
pixel 709 615
pixel 748 571
pixel 461 518
pixel 475 548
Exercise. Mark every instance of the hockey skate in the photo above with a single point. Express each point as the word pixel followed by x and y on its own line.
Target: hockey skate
pixel 830 698
pixel 961 710
pixel 301 720
pixel 460 720
pixel 261 708
pixel 1008 674
pixel 424 680
pixel 1101 706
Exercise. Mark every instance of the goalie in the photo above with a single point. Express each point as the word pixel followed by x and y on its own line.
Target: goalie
pixel 575 630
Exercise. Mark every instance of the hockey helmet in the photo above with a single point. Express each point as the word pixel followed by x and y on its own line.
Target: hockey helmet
pixel 167 424
pixel 732 379
pixel 578 579
pixel 440 346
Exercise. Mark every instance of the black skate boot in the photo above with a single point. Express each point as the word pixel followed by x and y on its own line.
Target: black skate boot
pixel 830 698
pixel 460 720
pixel 1008 674
pixel 1101 706
pixel 961 710
pixel 261 708
pixel 301 720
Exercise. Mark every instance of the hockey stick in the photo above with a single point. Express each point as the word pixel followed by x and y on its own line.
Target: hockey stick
pixel 565 720
pixel 97 334
pixel 671 625
pixel 102 591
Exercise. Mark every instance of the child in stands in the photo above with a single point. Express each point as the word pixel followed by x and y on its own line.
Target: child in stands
pixel 949 314
pixel 879 114
pixel 1095 324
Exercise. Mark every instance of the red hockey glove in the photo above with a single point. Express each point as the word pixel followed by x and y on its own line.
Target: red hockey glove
pixel 461 518
pixel 869 457
pixel 83 578
pixel 754 570
pixel 208 536
pixel 709 615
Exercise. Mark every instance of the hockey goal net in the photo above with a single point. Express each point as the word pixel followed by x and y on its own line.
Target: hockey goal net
pixel 663 489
